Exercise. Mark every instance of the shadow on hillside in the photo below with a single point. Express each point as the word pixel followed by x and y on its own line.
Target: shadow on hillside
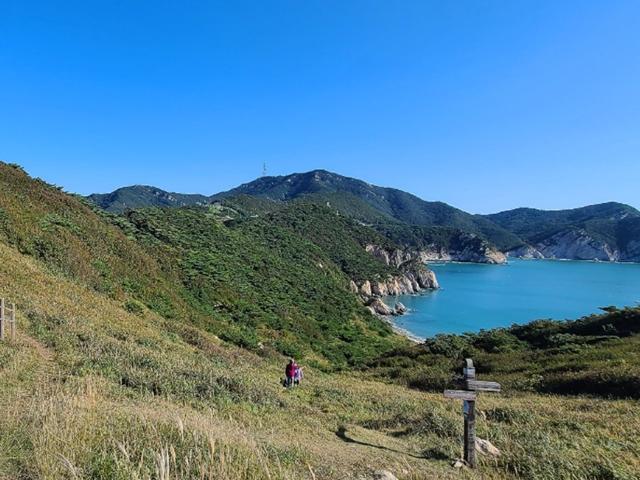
pixel 429 454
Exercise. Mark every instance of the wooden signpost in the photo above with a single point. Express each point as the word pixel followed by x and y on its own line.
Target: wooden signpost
pixel 468 396
pixel 7 316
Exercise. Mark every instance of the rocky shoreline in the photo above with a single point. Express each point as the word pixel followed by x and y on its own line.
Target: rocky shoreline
pixel 415 277
pixel 403 331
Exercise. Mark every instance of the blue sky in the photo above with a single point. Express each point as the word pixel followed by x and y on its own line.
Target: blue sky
pixel 486 105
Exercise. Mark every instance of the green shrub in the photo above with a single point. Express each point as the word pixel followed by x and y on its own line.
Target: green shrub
pixel 134 306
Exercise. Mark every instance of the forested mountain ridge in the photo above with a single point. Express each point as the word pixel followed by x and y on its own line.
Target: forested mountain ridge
pixel 372 204
pixel 435 230
pixel 384 209
pixel 140 196
pixel 608 231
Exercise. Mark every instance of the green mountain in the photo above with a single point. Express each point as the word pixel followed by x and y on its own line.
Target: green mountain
pixel 433 230
pixel 608 231
pixel 140 196
pixel 372 204
pixel 451 233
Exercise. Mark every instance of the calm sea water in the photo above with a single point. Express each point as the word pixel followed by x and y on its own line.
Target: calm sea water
pixel 476 296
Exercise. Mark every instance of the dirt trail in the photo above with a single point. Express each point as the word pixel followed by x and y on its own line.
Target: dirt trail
pixel 43 351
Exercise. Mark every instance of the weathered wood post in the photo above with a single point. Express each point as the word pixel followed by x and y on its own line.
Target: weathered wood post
pixel 2 312
pixel 468 396
pixel 469 412
pixel 12 322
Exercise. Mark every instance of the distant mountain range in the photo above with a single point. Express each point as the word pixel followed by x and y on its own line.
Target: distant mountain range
pixel 606 232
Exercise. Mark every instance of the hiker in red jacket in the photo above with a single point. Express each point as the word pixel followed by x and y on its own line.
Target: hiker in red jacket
pixel 290 371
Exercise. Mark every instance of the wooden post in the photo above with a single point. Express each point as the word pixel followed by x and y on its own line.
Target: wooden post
pixel 468 396
pixel 1 318
pixel 12 321
pixel 469 412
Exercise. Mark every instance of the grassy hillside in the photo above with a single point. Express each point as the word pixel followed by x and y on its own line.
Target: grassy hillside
pixel 75 242
pixel 92 391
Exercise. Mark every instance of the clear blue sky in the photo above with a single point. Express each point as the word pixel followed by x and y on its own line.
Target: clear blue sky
pixel 486 105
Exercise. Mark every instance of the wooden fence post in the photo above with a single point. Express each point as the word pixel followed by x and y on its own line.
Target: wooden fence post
pixel 2 318
pixel 12 321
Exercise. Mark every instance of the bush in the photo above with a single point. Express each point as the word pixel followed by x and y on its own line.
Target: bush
pixel 134 306
pixel 451 346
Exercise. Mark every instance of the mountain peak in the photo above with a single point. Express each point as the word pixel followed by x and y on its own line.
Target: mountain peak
pixel 141 196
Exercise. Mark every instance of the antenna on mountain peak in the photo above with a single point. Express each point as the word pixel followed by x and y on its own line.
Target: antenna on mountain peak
pixel 264 169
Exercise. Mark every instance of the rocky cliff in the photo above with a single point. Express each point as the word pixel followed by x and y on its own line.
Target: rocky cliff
pixel 474 250
pixel 572 245
pixel 467 247
pixel 414 277
pixel 606 232
pixel 489 255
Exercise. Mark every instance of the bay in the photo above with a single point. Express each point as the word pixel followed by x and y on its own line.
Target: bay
pixel 477 296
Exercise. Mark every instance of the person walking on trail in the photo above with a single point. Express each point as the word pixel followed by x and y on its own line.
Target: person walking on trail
pixel 290 372
pixel 299 375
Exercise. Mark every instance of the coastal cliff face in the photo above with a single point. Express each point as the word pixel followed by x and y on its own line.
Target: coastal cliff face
pixel 475 251
pixel 526 251
pixel 414 278
pixel 575 245
pixel 487 255
pixel 578 245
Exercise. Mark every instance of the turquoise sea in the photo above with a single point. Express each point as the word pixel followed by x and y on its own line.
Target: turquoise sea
pixel 475 296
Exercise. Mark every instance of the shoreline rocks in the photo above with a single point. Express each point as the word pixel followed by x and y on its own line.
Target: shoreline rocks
pixel 475 250
pixel 413 278
pixel 400 309
pixel 376 305
pixel 526 252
